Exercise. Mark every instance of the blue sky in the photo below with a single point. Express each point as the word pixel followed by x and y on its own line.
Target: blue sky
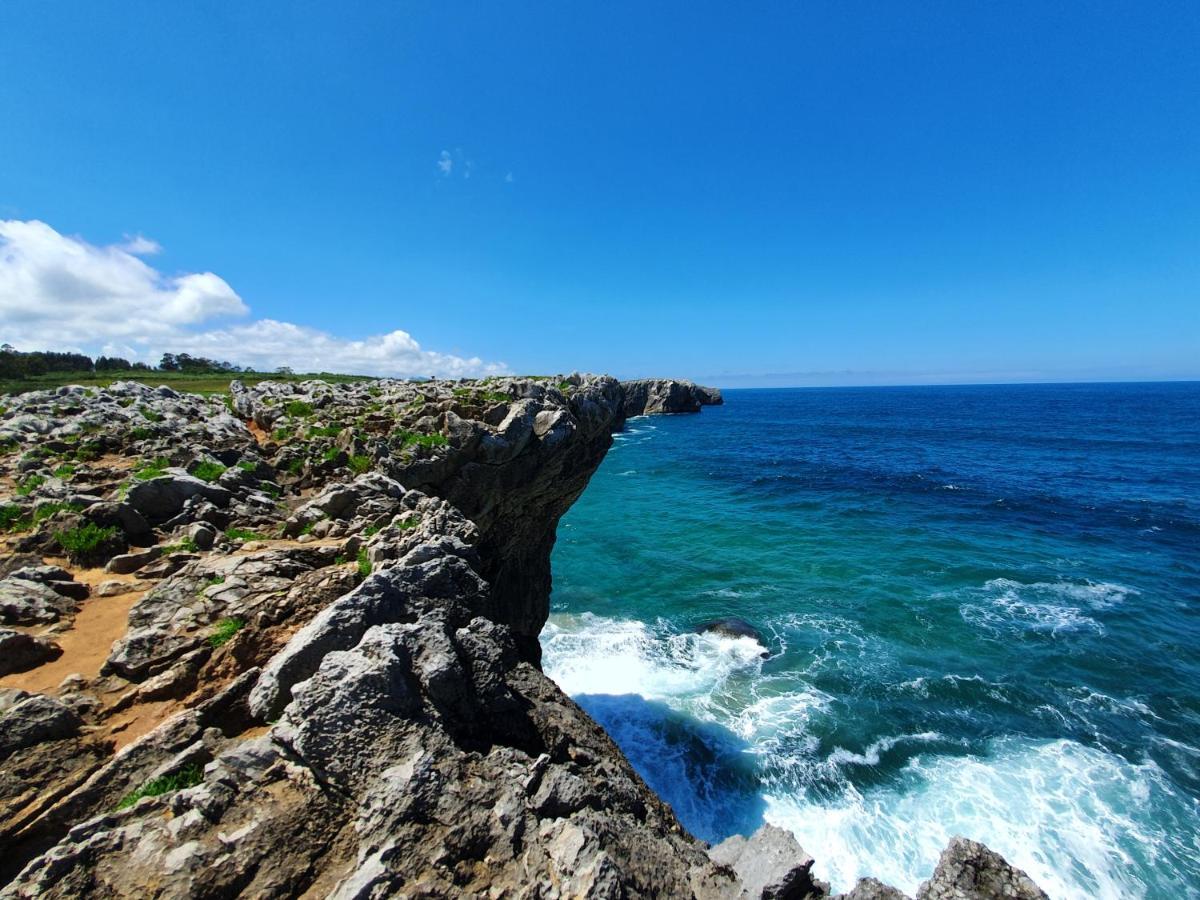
pixel 785 193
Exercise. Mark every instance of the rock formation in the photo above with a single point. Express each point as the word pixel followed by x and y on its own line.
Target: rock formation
pixel 323 676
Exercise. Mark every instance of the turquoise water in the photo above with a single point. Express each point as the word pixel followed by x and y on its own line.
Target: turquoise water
pixel 981 607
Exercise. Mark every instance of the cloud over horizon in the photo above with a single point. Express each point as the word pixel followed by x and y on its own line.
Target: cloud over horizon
pixel 59 292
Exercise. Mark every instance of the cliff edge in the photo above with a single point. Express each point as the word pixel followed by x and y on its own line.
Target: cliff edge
pixel 284 643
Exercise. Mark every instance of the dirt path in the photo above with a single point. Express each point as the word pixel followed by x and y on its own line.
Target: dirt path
pixel 87 643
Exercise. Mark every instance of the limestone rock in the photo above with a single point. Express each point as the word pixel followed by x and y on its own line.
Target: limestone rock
pixel 770 865
pixel 20 651
pixel 968 870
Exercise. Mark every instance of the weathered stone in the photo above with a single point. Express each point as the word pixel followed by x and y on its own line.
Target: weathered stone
pixel 158 499
pixel 968 870
pixel 20 651
pixel 770 865
pixel 127 563
pixel 35 719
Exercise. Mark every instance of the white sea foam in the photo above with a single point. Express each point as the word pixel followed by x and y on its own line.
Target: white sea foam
pixel 1071 816
pixel 1083 822
pixel 1056 608
pixel 597 655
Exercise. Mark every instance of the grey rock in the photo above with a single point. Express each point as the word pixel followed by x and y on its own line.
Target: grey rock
pixel 161 498
pixel 770 865
pixel 20 651
pixel 127 563
pixel 968 870
pixel 36 719
pixel 873 889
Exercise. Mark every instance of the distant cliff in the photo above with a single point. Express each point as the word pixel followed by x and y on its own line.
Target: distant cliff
pixel 326 682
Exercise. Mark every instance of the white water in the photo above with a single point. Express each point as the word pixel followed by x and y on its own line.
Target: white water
pixel 1072 816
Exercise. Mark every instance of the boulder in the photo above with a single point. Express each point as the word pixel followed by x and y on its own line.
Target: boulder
pixel 127 563
pixel 20 651
pixel 34 719
pixel 161 498
pixel 968 870
pixel 771 865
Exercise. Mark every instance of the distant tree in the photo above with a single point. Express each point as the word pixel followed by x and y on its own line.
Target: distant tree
pixel 168 363
pixel 284 370
pixel 112 364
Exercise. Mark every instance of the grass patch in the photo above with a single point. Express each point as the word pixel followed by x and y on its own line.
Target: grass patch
pixel 189 776
pixel 152 469
pixel 296 466
pixel 30 484
pixel 66 470
pixel 244 534
pixel 187 545
pixel 208 471
pixel 224 631
pixel 12 519
pixel 407 524
pixel 247 466
pixel 151 415
pixel 281 434
pixel 359 464
pixel 411 438
pixel 298 409
pixel 85 539
pixel 142 433
pixel 370 531
pixel 325 431
pixel 364 563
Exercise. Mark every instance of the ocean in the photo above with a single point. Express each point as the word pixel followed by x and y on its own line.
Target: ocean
pixel 980 610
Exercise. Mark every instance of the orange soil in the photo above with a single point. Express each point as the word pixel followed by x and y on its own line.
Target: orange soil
pixel 87 643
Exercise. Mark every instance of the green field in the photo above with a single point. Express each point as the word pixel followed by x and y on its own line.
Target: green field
pixel 196 383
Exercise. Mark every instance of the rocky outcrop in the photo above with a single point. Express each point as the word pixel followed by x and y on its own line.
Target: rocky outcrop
pixel 332 662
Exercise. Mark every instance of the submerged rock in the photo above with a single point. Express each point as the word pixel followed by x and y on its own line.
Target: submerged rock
pixel 734 627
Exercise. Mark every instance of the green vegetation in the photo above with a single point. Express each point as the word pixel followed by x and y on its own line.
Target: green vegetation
pixel 212 582
pixel 66 470
pixel 364 563
pixel 11 518
pixel 84 540
pixel 331 454
pixel 325 431
pixel 244 534
pixel 281 434
pixel 141 433
pixel 189 776
pixel 151 415
pixel 298 409
pixel 296 466
pixel 187 545
pixel 247 466
pixel 359 464
pixel 370 531
pixel 565 386
pixel 224 631
pixel 405 438
pixel 208 471
pixel 30 484
pixel 152 469
pixel 406 524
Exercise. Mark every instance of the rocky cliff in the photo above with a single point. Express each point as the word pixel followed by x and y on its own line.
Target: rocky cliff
pixel 284 643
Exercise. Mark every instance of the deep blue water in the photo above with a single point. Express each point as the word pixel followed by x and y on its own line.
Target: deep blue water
pixel 981 605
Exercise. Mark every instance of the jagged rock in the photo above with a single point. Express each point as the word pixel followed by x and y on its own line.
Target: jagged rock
pixel 128 563
pixel 968 870
pixel 39 594
pixel 33 719
pixel 20 651
pixel 770 865
pixel 158 499
pixel 873 889
pixel 654 396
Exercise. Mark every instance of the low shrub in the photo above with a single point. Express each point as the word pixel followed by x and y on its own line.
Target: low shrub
pixel 224 631
pixel 152 469
pixel 298 409
pixel 84 541
pixel 244 534
pixel 208 471
pixel 359 464
pixel 189 776
pixel 364 563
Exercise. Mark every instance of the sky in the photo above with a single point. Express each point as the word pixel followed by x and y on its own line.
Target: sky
pixel 741 193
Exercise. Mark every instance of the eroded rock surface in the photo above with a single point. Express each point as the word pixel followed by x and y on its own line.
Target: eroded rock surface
pixel 327 682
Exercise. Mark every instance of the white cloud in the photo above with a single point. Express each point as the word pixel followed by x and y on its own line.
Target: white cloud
pixel 445 162
pixel 59 292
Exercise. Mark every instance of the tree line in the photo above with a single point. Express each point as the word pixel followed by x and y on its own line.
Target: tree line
pixel 23 364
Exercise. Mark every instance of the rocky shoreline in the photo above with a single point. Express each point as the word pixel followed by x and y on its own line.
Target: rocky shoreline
pixel 285 643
